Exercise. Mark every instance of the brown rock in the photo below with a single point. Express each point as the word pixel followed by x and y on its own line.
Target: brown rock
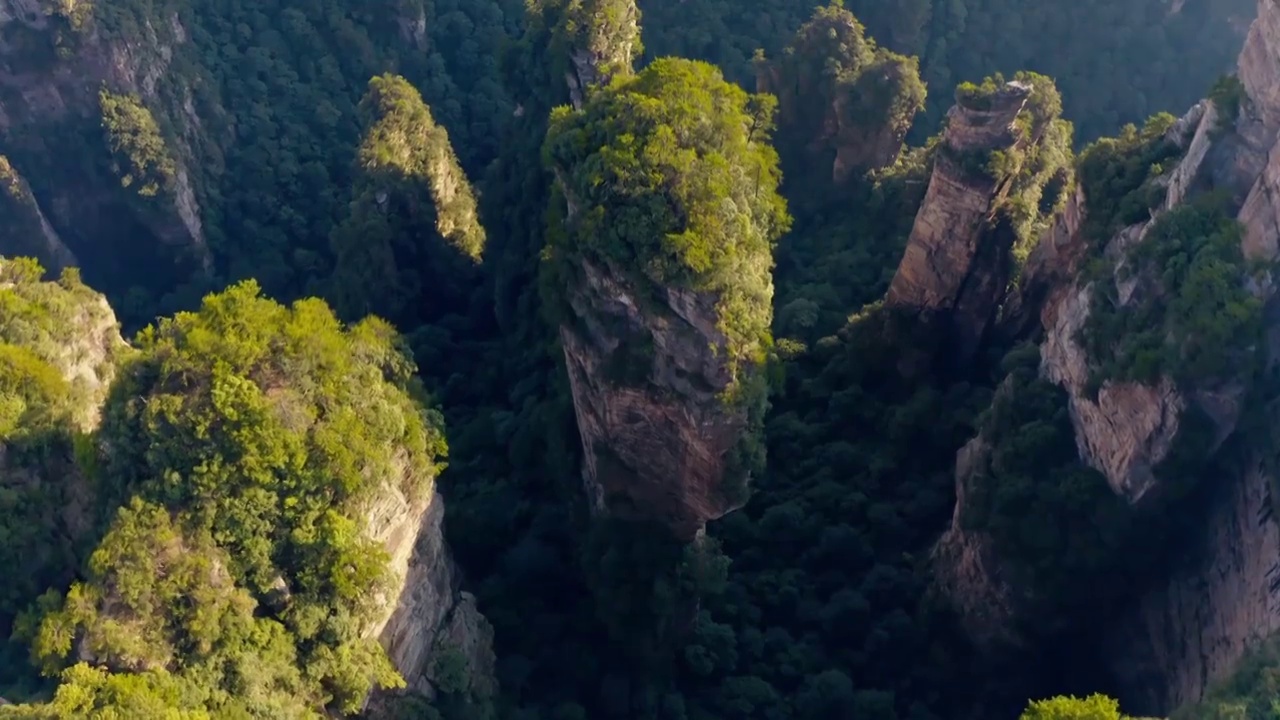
pixel 647 390
pixel 1192 629
pixel 957 257
pixel 968 572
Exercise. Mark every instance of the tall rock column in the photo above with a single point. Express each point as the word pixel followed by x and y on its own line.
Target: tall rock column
pixel 599 39
pixel 1003 141
pixel 659 265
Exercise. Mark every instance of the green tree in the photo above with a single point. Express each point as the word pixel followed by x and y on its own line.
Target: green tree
pixel 1093 707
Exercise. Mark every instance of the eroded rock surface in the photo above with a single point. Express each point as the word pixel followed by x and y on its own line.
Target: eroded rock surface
pixel 647 389
pixel 953 264
pixel 1194 620
pixel 428 615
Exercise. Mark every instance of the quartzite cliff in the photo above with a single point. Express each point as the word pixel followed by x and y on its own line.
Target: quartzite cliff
pixel 1197 614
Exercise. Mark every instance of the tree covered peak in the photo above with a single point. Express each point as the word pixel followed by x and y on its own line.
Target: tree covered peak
pixel 670 177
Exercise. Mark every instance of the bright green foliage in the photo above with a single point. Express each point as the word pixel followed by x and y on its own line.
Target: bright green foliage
pixel 411 232
pixel 141 158
pixel 1093 707
pixel 672 180
pixel 838 89
pixel 89 693
pixel 54 320
pixel 607 31
pixel 1118 176
pixel 46 329
pixel 1032 171
pixel 1191 317
pixel 1038 166
pixel 265 432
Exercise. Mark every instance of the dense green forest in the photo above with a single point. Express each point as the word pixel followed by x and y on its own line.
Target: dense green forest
pixel 383 189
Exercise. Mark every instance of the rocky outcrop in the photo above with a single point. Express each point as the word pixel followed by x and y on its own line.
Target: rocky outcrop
pixel 1193 620
pixel 957 261
pixel 663 320
pixel 601 38
pixel 428 615
pixel 842 100
pixel 968 571
pixel 1125 429
pixel 1221 599
pixel 24 223
pixel 51 128
pixel 648 388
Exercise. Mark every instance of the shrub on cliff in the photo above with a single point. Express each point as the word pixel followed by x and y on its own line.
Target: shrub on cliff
pixel 1190 317
pixel 671 180
pixel 246 443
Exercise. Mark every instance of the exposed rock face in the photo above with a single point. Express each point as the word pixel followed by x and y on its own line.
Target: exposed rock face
pixel 1046 277
pixel 430 614
pixel 656 443
pixel 1128 427
pixel 967 569
pixel 1222 594
pixel 48 95
pixel 605 39
pixel 956 261
pixel 832 85
pixel 24 223
pixel 1221 600
pixel 664 342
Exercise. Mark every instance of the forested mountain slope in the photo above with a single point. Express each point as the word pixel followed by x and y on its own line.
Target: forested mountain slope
pixel 820 382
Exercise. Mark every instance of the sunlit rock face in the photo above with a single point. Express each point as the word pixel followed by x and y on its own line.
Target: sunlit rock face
pixel 1220 595
pixel 956 265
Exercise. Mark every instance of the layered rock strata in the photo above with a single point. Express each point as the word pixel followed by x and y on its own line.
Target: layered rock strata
pixel 1189 627
pixel 656 435
pixel 956 265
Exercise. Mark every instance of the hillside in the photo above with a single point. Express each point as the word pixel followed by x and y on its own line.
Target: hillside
pixel 465 359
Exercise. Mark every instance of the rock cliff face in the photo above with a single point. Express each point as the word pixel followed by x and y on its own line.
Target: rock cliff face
pixel 663 319
pixel 956 264
pixel 1191 630
pixel 24 223
pixel 1221 594
pixel 51 130
pixel 602 38
pixel 655 430
pixel 429 615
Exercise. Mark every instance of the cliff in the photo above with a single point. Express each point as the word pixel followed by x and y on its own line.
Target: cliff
pixel 427 616
pixel 59 348
pixel 842 101
pixel 1163 404
pixel 1003 141
pixel 54 61
pixel 599 39
pixel 179 540
pixel 665 309
pixel 409 248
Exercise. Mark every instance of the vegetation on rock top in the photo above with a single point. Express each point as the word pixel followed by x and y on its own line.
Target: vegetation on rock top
pixel 671 179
